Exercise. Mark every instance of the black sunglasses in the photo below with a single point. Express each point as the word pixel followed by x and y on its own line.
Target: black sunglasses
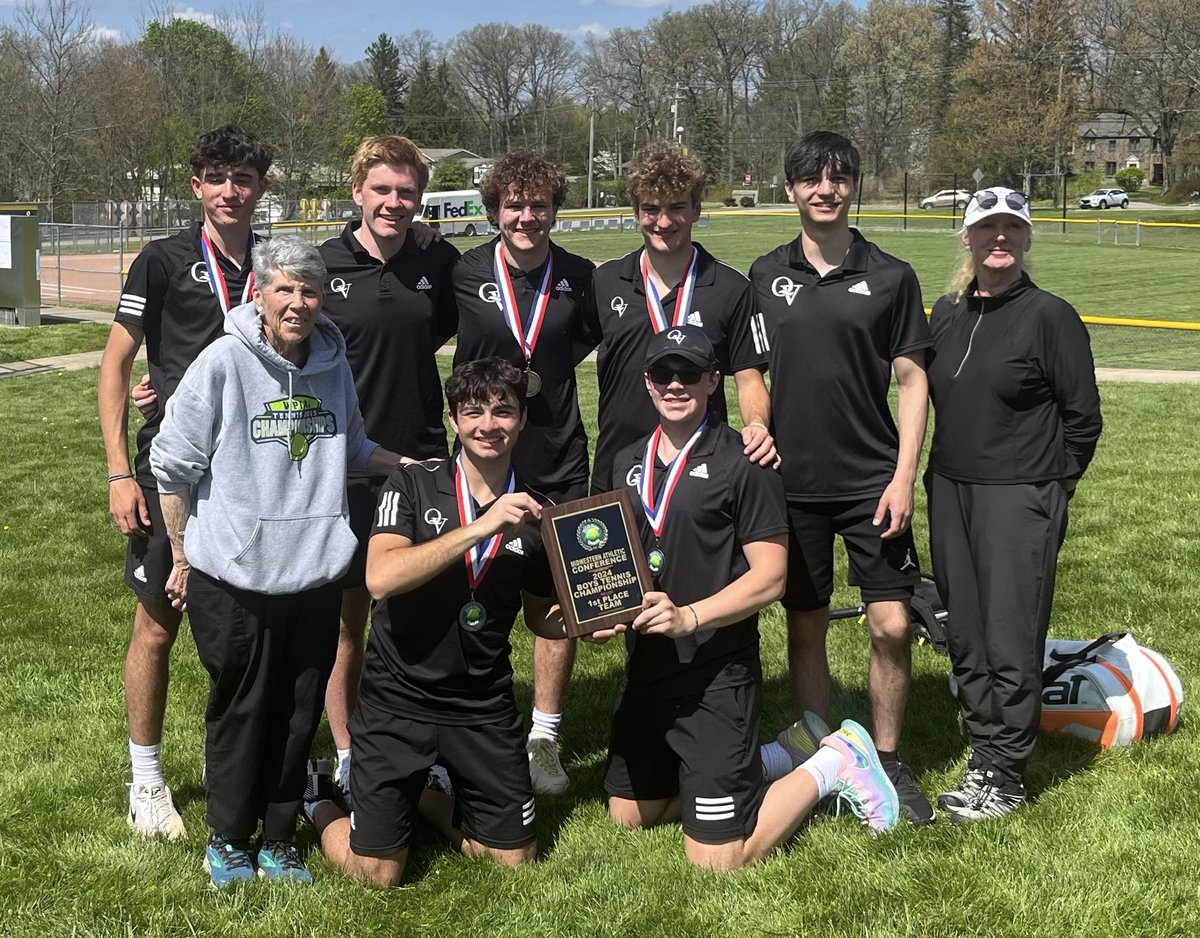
pixel 665 374
pixel 986 198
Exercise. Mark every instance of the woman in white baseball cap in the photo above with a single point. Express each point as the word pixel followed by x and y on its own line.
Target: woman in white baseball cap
pixel 1017 421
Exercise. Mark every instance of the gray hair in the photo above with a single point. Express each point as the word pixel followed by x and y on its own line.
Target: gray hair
pixel 288 255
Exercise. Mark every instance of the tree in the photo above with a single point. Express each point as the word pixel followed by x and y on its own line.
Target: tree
pixel 383 60
pixel 366 116
pixel 708 136
pixel 953 44
pixel 431 110
pixel 450 174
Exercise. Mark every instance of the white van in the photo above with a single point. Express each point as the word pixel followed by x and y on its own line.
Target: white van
pixel 456 211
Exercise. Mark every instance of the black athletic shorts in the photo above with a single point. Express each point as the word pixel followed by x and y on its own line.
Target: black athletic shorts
pixel 362 494
pixel 881 569
pixel 148 560
pixel 703 749
pixel 487 764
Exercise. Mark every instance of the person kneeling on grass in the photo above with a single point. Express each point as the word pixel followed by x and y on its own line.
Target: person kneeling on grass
pixel 455 552
pixel 685 731
pixel 252 457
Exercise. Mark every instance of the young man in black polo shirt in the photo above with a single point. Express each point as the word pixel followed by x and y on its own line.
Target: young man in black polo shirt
pixel 521 297
pixel 174 299
pixel 455 552
pixel 667 282
pixel 389 292
pixel 685 731
pixel 841 317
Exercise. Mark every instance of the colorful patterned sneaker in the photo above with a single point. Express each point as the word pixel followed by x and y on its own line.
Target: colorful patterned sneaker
pixel 964 794
pixel 227 862
pixel 803 738
pixel 913 803
pixel 152 812
pixel 863 785
pixel 279 861
pixel 997 797
pixel 545 770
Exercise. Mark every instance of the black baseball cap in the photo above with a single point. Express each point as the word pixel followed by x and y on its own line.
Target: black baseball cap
pixel 686 342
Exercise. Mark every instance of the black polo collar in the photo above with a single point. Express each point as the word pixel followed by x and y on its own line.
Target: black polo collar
pixel 856 260
pixel 706 268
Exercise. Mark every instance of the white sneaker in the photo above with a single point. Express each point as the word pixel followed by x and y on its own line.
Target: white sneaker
pixel 545 770
pixel 152 812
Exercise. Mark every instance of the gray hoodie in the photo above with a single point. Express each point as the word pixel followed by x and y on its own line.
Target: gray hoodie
pixel 264 447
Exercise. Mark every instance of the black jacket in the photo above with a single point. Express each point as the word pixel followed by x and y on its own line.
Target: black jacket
pixel 1013 387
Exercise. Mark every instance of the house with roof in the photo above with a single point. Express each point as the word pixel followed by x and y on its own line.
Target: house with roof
pixel 1112 140
pixel 478 165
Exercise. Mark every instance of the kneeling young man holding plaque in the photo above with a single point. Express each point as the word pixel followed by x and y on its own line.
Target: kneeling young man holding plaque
pixel 685 731
pixel 454 553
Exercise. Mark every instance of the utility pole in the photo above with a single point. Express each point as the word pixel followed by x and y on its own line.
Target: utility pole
pixel 591 145
pixel 676 127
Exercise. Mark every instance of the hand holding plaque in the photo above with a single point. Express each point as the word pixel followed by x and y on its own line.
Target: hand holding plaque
pixel 597 562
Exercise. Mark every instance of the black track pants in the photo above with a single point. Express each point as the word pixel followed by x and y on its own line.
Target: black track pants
pixel 269 658
pixel 995 551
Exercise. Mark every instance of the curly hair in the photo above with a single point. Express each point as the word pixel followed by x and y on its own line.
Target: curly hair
pixel 526 173
pixel 388 150
pixel 483 381
pixel 664 169
pixel 229 146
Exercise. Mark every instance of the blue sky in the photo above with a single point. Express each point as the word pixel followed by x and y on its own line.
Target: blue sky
pixel 347 28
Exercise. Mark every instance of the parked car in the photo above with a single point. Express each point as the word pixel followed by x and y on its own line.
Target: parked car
pixel 947 198
pixel 1103 198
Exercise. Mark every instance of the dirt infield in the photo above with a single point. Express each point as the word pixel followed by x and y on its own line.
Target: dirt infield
pixel 86 279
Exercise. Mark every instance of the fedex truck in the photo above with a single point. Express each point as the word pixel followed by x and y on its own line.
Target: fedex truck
pixel 457 211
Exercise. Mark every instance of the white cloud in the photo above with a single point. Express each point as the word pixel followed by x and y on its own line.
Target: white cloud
pixel 599 30
pixel 105 34
pixel 199 16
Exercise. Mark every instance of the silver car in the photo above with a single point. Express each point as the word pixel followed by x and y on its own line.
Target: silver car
pixel 1103 198
pixel 947 198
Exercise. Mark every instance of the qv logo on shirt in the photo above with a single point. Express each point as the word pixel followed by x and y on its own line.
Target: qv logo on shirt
pixel 786 288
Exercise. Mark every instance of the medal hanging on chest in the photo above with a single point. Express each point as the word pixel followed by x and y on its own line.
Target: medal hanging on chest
pixel 683 296
pixel 525 332
pixel 216 278
pixel 656 512
pixel 473 616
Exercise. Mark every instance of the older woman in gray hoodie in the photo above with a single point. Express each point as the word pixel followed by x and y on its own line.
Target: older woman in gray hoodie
pixel 251 462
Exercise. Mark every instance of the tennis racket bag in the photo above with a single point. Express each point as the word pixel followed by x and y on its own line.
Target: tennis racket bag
pixel 1109 691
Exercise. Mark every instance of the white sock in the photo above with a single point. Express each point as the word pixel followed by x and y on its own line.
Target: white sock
pixel 343 766
pixel 545 725
pixel 824 767
pixel 775 761
pixel 147 764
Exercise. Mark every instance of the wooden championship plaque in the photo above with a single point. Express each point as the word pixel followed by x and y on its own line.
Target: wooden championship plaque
pixel 596 559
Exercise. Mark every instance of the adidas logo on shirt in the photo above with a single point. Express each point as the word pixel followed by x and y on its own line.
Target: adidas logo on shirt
pixel 694 318
pixel 424 284
pixel 860 288
pixel 516 547
pixel 131 304
pixel 562 286
pixel 701 471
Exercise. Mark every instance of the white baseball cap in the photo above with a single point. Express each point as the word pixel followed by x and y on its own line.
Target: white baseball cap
pixel 997 201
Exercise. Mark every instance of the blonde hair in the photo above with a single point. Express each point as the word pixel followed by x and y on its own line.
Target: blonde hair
pixel 964 273
pixel 390 150
pixel 665 169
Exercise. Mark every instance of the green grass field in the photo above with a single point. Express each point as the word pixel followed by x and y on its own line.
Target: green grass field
pixel 1151 282
pixel 1108 848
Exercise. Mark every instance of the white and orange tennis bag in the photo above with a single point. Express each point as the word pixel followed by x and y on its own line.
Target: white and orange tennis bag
pixel 1110 691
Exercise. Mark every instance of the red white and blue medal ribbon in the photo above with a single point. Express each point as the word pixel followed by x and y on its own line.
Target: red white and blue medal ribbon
pixel 216 279
pixel 657 514
pixel 683 299
pixel 479 557
pixel 508 303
